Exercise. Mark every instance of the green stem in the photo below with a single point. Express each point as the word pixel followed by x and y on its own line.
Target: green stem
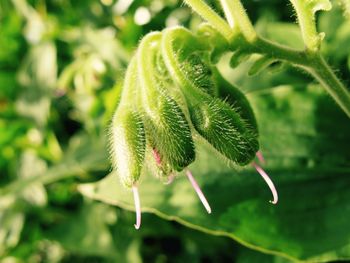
pixel 307 25
pixel 306 18
pixel 236 14
pixel 314 64
pixel 212 17
pixel 324 74
pixel 277 51
pixel 308 60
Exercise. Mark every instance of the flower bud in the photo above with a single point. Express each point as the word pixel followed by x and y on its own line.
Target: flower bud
pixel 128 141
pixel 215 120
pixel 128 145
pixel 224 129
pixel 234 97
pixel 166 126
pixel 199 72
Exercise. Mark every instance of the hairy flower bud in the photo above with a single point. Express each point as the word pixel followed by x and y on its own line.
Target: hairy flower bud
pixel 166 126
pixel 233 96
pixel 215 120
pixel 128 145
pixel 127 132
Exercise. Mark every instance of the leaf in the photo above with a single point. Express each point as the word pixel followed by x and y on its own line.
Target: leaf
pixel 11 227
pixel 308 161
pixel 87 232
pixel 31 165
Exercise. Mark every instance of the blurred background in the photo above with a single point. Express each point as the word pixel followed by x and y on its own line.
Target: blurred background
pixel 61 68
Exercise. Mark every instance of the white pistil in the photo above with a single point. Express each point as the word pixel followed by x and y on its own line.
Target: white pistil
pixel 268 181
pixel 198 191
pixel 137 206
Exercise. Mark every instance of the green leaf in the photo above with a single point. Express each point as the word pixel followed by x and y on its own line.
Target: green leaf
pixel 306 158
pixel 87 232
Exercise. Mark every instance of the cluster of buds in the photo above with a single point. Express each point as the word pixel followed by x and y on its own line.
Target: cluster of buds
pixel 171 91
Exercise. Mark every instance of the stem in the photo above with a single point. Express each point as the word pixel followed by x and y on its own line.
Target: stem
pixel 314 64
pixel 277 51
pixel 307 60
pixel 307 25
pixel 324 74
pixel 235 13
pixel 212 17
pixel 306 18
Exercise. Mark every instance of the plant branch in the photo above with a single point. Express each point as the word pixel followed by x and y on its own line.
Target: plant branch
pixel 306 18
pixel 309 59
pixel 235 14
pixel 324 74
pixel 211 16
pixel 314 64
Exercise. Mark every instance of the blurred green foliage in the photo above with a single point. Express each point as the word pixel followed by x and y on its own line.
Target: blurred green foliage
pixel 61 69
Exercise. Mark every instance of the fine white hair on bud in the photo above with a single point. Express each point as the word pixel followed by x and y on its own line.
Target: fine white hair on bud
pixel 127 134
pixel 167 129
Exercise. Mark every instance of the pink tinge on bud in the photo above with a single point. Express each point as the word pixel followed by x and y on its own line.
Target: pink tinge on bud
pixel 198 191
pixel 268 181
pixel 137 206
pixel 157 157
pixel 260 157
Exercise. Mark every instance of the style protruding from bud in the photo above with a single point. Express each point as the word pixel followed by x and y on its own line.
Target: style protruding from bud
pixel 128 139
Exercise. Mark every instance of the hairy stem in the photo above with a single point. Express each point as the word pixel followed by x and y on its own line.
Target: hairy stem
pixel 314 64
pixel 308 59
pixel 324 74
pixel 211 16
pixel 307 26
pixel 235 14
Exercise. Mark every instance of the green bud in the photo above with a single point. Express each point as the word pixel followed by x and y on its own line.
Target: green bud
pixel 128 141
pixel 234 97
pixel 167 129
pixel 215 120
pixel 128 145
pixel 221 125
pixel 199 72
